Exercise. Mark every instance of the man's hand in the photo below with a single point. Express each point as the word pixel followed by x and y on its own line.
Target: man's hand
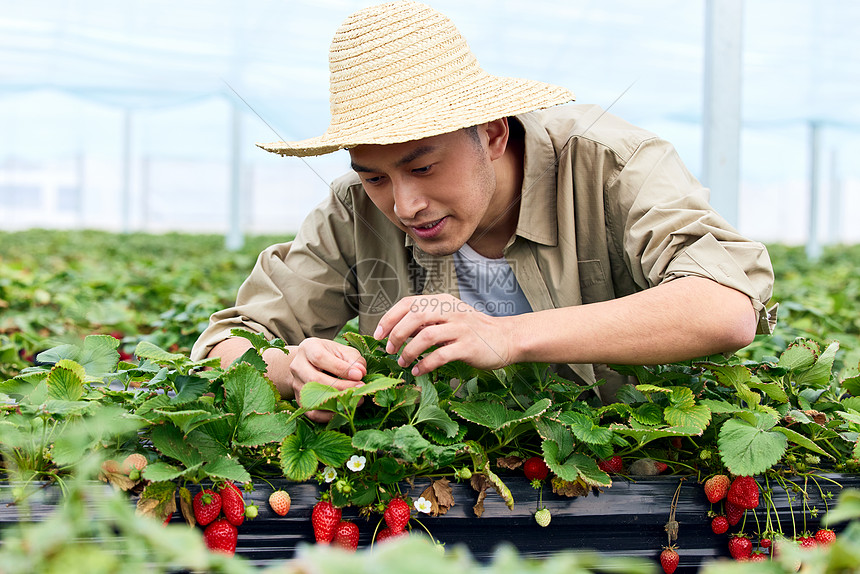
pixel 328 363
pixel 314 359
pixel 457 330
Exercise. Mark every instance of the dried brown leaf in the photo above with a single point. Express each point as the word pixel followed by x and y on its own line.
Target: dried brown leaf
pixel 510 462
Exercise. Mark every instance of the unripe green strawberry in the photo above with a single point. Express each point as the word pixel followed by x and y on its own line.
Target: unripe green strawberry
pixel 543 517
pixel 280 502
pixel 251 511
pixel 232 503
pixel 221 536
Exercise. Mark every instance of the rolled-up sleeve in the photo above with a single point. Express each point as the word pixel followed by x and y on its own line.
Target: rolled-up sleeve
pixel 670 230
pixel 297 289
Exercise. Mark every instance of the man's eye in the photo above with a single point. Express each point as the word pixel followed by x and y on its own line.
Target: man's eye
pixel 424 169
pixel 373 180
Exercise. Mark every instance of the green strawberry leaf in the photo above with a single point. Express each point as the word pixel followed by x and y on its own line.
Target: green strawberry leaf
pixel 171 442
pixel 98 356
pixel 684 412
pixel 644 434
pixel 819 374
pixel 227 469
pixel 65 383
pixel 495 416
pixel 248 391
pixel 585 429
pixel 750 449
pixel 409 443
pixel 257 429
pixel 190 419
pixel 161 471
pixel 798 356
pixel 575 467
pixel 773 390
pixel 253 358
pixel 429 411
pixel 206 441
pixel 647 414
pixel 147 350
pixel 727 375
pixel 801 440
pixel 298 461
pixel 189 388
pixel 648 388
pixel 373 439
pixel 558 433
pixel 331 447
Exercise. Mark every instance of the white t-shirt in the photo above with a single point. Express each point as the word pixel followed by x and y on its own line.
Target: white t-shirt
pixel 489 285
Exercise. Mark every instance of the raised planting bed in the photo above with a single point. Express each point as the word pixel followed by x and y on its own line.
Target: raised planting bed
pixel 627 519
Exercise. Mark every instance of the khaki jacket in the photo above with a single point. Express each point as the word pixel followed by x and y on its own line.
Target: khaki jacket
pixel 607 209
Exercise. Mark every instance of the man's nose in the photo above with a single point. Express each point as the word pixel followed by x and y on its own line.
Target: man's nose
pixel 408 201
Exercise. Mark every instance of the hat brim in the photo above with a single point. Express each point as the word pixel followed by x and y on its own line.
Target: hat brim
pixel 482 99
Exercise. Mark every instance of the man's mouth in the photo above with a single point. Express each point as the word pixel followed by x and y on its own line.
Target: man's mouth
pixel 429 229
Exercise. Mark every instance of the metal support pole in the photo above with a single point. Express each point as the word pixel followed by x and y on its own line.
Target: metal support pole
pixel 235 238
pixel 813 245
pixel 722 104
pixel 125 199
pixel 835 224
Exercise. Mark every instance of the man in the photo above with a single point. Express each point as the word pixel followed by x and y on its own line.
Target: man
pixel 587 235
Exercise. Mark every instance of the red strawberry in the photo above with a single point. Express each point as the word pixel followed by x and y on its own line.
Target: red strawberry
pixel 758 556
pixel 612 466
pixel 765 543
pixel 220 536
pixel 806 541
pixel 397 514
pixel 740 547
pixel 346 535
pixel 207 506
pixel 535 468
pixel 669 560
pixel 717 487
pixel 660 466
pixel 719 524
pixel 280 502
pixel 387 533
pixel 825 536
pixel 232 503
pixel 743 492
pixel 733 513
pixel 325 518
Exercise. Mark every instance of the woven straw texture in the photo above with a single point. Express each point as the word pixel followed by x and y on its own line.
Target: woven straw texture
pixel 401 72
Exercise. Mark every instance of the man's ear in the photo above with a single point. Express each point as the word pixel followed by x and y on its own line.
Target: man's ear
pixel 497 137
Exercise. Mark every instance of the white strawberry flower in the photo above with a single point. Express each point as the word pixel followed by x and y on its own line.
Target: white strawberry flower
pixel 356 463
pixel 329 474
pixel 423 505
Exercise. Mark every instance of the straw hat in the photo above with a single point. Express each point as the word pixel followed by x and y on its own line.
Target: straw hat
pixel 401 72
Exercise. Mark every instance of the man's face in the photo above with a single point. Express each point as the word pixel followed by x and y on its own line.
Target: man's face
pixel 438 189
